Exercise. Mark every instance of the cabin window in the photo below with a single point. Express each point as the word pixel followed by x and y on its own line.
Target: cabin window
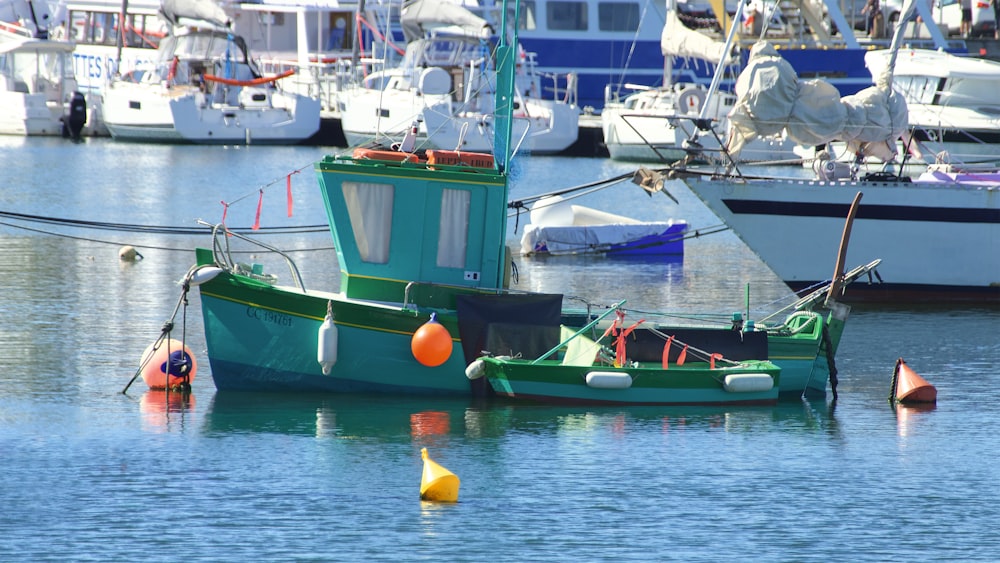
pixel 528 19
pixel 617 16
pixel 566 16
pixel 101 28
pixel 144 31
pixel 454 232
pixel 369 206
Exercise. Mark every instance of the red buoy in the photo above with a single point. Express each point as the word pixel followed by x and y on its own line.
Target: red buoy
pixel 908 387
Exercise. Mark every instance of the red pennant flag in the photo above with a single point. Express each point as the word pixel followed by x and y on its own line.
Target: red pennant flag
pixel 666 352
pixel 288 188
pixel 682 356
pixel 225 210
pixel 611 329
pixel 712 358
pixel 614 324
pixel 260 204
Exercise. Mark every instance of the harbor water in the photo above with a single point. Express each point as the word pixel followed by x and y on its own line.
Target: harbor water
pixel 95 474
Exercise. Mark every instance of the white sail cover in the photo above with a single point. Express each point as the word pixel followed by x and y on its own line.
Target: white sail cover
pixel 420 16
pixel 771 98
pixel 678 40
pixel 194 12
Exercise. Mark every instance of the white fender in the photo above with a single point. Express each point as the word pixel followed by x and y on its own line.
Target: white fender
pixel 203 274
pixel 608 380
pixel 475 370
pixel 748 382
pixel 326 348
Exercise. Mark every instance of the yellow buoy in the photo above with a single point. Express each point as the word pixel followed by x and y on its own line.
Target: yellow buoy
pixel 438 484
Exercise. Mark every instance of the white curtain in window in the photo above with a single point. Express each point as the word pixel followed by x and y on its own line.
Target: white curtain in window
pixel 370 209
pixel 454 232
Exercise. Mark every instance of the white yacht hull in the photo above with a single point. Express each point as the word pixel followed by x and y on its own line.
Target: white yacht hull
pixel 936 240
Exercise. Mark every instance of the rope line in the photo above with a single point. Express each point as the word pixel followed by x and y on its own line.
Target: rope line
pixel 155 229
pixel 144 246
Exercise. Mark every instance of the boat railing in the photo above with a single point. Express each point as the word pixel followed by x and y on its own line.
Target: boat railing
pixel 12 31
pixel 223 254
pixel 410 302
pixel 322 79
pixel 563 86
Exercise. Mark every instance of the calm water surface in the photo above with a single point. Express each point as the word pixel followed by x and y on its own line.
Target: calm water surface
pixel 91 473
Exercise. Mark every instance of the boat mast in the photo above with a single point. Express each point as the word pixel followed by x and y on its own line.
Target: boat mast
pixel 668 59
pixel 355 37
pixel 721 65
pixel 120 36
pixel 506 58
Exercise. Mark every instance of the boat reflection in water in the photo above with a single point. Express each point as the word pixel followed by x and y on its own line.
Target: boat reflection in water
pixel 392 419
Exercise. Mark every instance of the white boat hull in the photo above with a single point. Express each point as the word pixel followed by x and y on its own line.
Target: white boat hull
pixel 545 128
pixel 149 113
pixel 934 239
pixel 29 115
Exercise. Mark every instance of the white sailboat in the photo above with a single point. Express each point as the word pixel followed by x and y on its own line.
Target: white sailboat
pixel 205 88
pixel 445 84
pixel 658 124
pixel 937 233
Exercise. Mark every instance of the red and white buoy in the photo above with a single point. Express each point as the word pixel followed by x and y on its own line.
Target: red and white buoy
pixel 168 364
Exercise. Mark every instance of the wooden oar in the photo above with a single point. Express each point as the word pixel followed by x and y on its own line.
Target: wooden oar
pixel 838 272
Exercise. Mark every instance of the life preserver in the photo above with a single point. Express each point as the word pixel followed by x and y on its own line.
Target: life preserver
pixel 690 100
pixel 459 158
pixel 254 82
pixel 389 155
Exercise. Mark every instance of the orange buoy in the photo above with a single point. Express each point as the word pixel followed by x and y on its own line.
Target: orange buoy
pixel 908 387
pixel 431 343
pixel 437 483
pixel 182 365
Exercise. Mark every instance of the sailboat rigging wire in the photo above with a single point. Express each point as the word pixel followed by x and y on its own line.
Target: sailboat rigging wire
pixel 384 78
pixel 635 39
pixel 607 182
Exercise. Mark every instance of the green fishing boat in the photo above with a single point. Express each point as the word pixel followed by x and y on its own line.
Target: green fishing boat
pixel 424 287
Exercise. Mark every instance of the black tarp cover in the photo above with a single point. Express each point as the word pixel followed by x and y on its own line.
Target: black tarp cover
pixel 509 324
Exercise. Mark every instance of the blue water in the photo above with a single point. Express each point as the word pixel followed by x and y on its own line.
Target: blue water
pixel 92 474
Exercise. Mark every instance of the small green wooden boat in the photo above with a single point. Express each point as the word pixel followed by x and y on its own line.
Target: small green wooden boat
pixel 752 382
pixel 582 371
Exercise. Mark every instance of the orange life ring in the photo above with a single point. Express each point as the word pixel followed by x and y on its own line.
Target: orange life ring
pixel 390 155
pixel 254 82
pixel 459 158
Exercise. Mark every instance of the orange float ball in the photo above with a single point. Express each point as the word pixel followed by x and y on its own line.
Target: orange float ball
pixel 154 365
pixel 431 343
